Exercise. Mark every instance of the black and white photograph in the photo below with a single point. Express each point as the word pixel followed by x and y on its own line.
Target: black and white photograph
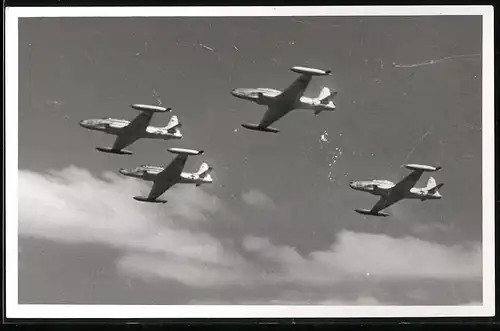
pixel 249 162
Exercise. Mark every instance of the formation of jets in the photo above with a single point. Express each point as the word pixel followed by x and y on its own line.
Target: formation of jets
pixel 127 132
pixel 278 103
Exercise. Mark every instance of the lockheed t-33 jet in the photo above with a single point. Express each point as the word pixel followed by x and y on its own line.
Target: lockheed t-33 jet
pixel 165 177
pixel 281 103
pixel 128 132
pixel 391 193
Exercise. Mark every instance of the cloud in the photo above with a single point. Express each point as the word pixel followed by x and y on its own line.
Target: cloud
pixel 256 198
pixel 297 300
pixel 171 241
pixel 372 255
pixel 360 301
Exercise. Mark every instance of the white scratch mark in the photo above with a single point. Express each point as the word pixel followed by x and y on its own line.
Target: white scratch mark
pixel 204 46
pixel 157 96
pixel 434 61
pixel 55 102
pixel 419 141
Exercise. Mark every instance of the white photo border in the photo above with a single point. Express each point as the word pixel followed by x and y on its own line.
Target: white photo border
pixel 16 310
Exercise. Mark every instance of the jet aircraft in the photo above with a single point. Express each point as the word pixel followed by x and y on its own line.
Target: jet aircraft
pixel 128 132
pixel 281 103
pixel 165 177
pixel 391 193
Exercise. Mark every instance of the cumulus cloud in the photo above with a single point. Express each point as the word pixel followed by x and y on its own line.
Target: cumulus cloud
pixel 257 198
pixel 373 255
pixel 171 242
pixel 74 206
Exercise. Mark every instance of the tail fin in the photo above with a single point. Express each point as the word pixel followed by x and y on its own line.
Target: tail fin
pixel 434 190
pixel 173 124
pixel 204 170
pixel 431 182
pixel 325 95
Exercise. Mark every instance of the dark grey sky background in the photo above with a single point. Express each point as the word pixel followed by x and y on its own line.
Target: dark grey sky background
pixel 403 98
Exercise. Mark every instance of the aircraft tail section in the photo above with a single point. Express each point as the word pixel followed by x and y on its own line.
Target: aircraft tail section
pixel 326 95
pixel 174 124
pixel 434 189
pixel 431 182
pixel 432 186
pixel 204 170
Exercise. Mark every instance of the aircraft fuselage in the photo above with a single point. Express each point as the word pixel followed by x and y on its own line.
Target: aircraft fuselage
pixel 384 188
pixel 149 173
pixel 267 97
pixel 118 127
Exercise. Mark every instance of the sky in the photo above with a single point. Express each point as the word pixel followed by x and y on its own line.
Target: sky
pixel 277 226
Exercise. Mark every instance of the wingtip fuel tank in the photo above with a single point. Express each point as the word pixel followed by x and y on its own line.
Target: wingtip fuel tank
pixel 150 108
pixel 422 167
pixel 369 213
pixel 185 151
pixel 145 199
pixel 114 151
pixel 256 127
pixel 311 71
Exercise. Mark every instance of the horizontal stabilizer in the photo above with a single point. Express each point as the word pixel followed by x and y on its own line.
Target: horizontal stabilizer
pixel 369 212
pixel 256 127
pixel 173 124
pixel 204 170
pixel 435 188
pixel 324 94
pixel 145 199
pixel 184 151
pixel 422 167
pixel 149 108
pixel 310 71
pixel 114 151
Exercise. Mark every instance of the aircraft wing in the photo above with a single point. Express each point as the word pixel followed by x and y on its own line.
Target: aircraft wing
pixel 385 202
pixel 123 141
pixel 141 121
pixel 293 92
pixel 404 185
pixel 168 177
pixel 273 114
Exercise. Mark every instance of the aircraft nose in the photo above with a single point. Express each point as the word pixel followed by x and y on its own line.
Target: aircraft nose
pixel 85 123
pixel 236 92
pixel 123 171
